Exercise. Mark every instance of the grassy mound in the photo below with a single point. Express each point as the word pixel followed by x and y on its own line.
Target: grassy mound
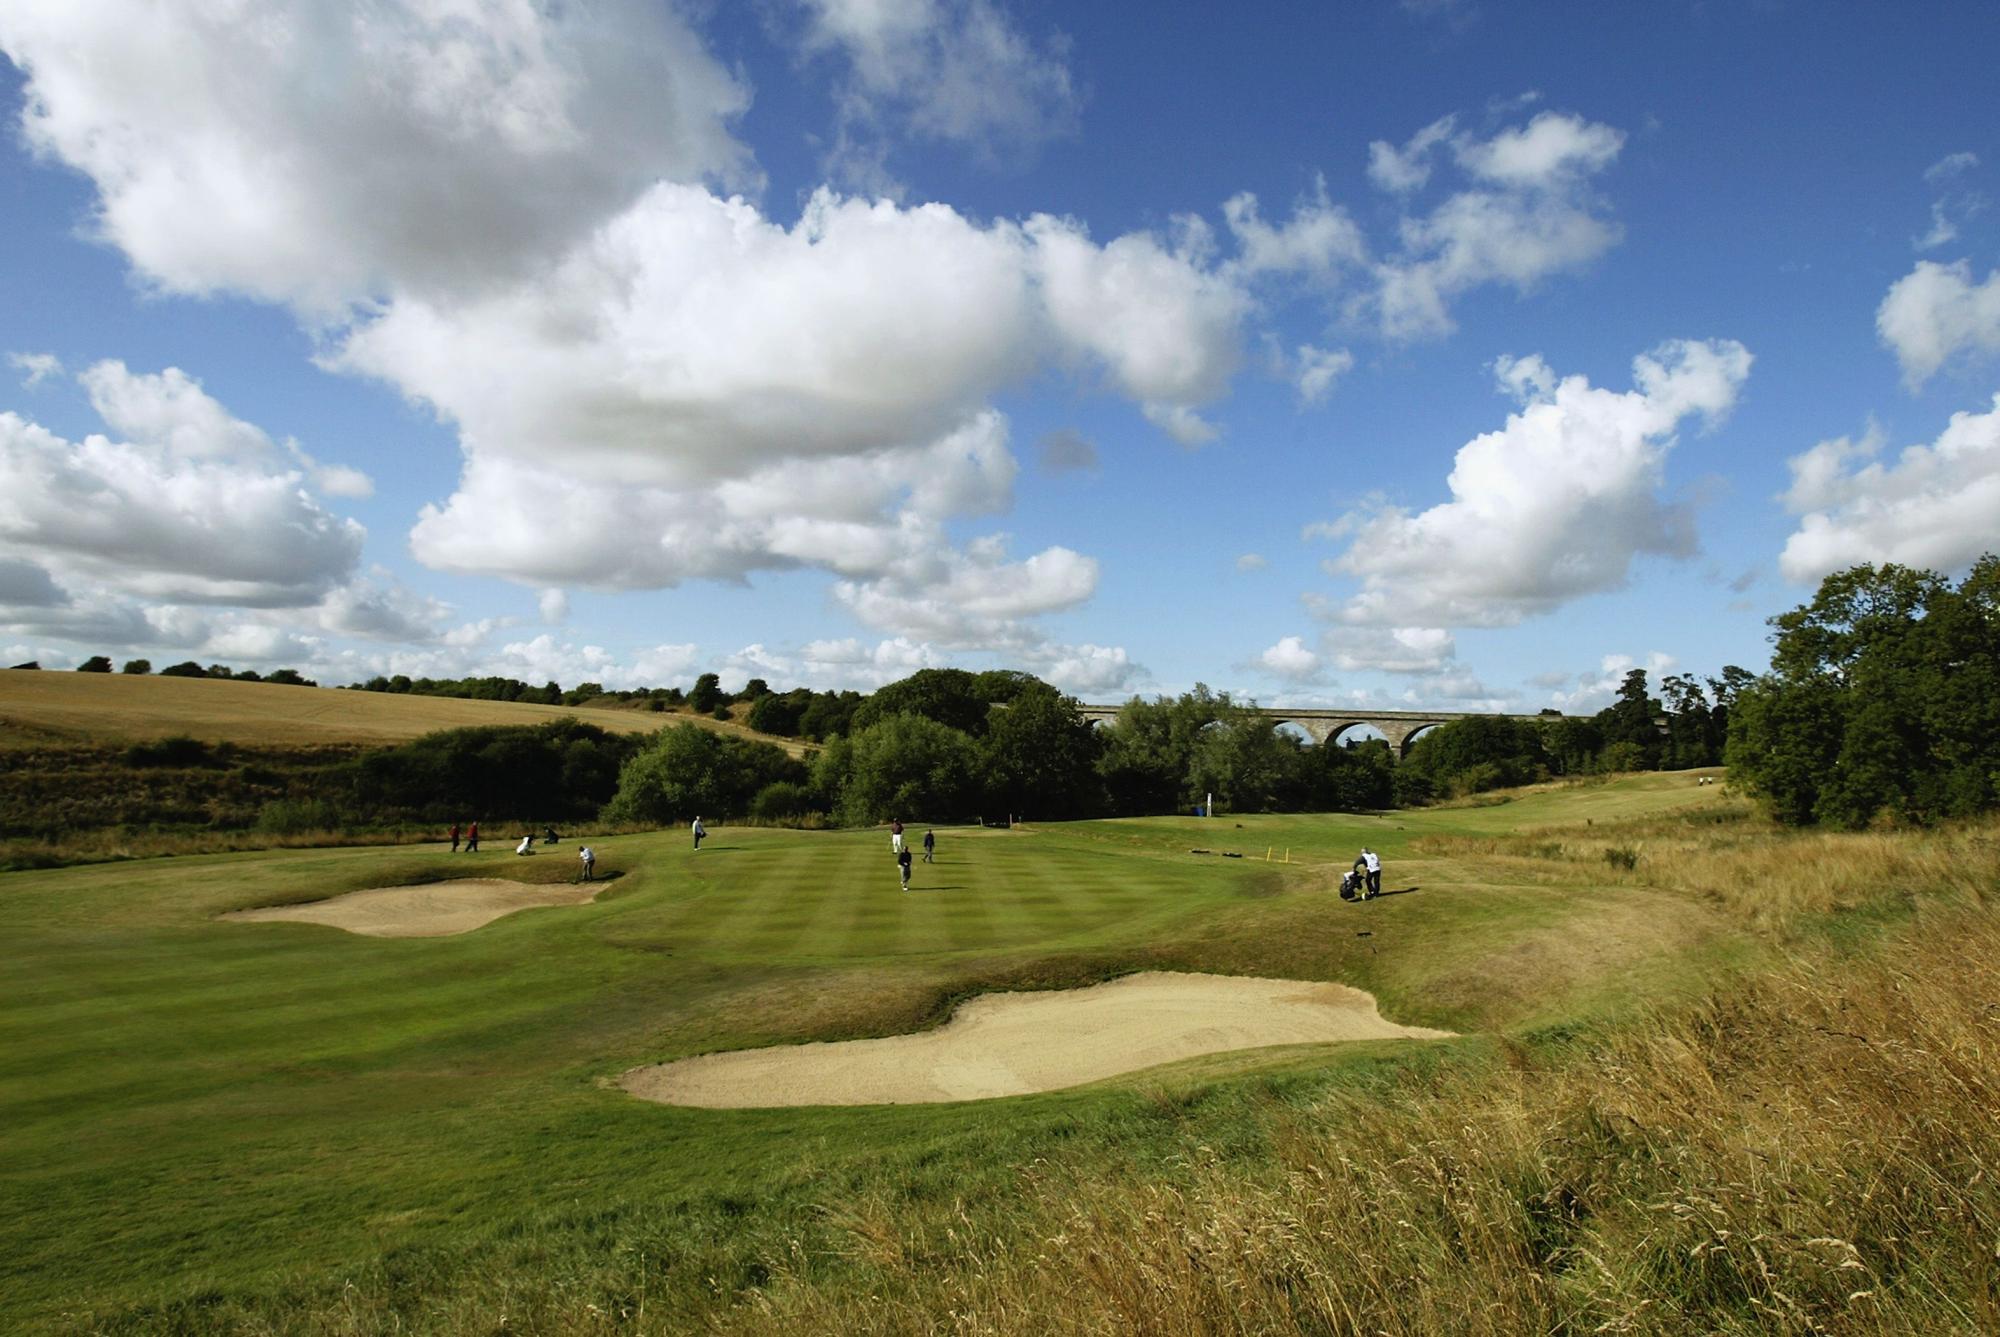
pixel 1741 1079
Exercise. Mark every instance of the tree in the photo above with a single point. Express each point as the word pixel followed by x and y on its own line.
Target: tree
pixel 688 771
pixel 1039 757
pixel 1148 760
pixel 829 714
pixel 1478 753
pixel 1246 764
pixel 1883 698
pixel 706 694
pixel 948 696
pixel 95 664
pixel 137 666
pixel 1633 718
pixel 909 767
pixel 187 668
pixel 778 714
pixel 1692 739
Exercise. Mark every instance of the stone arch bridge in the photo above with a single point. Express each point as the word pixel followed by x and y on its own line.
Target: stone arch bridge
pixel 1400 727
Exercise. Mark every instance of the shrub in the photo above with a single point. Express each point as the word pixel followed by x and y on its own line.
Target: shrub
pixel 295 816
pixel 779 800
pixel 176 751
pixel 687 771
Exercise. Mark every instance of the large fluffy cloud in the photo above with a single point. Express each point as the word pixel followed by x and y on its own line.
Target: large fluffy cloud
pixel 510 210
pixel 1936 313
pixel 193 505
pixel 1530 212
pixel 692 339
pixel 1936 506
pixel 1554 505
pixel 317 154
pixel 1166 329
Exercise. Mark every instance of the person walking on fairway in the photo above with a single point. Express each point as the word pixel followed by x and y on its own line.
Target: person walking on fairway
pixel 454 837
pixel 896 836
pixel 903 864
pixel 472 838
pixel 699 831
pixel 588 858
pixel 930 846
pixel 1373 862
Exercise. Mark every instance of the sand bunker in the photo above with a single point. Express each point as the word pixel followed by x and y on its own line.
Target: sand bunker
pixel 434 910
pixel 1015 1043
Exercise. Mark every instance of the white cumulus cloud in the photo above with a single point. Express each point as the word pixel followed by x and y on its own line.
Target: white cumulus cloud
pixel 319 155
pixel 195 506
pixel 1935 506
pixel 1936 313
pixel 1554 505
pixel 1530 213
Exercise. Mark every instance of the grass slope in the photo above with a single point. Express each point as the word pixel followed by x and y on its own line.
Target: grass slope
pixel 216 1126
pixel 48 708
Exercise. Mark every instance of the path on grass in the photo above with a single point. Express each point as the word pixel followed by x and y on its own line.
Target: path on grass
pixel 433 910
pixel 1012 1044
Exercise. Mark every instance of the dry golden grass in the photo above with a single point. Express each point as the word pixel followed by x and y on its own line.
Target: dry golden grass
pixel 1764 875
pixel 1813 1152
pixel 93 708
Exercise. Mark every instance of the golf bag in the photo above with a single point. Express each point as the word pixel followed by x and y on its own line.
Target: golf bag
pixel 1351 884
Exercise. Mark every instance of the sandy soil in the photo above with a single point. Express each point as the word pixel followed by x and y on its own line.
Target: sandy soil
pixel 435 910
pixel 1014 1043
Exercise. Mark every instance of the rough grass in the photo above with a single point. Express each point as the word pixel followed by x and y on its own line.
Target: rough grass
pixel 1683 1113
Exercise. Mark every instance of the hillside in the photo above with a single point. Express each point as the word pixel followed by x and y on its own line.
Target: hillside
pixel 54 709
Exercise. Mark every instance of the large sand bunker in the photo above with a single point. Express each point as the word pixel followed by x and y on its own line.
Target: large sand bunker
pixel 433 910
pixel 1015 1043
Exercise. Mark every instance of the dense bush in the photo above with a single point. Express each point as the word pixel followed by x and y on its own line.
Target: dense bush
pixel 176 751
pixel 903 766
pixel 782 800
pixel 559 771
pixel 1482 752
pixel 688 771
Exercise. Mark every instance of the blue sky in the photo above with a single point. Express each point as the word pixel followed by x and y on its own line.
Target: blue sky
pixel 1413 354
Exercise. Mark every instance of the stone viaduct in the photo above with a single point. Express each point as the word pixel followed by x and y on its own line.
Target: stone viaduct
pixel 1400 727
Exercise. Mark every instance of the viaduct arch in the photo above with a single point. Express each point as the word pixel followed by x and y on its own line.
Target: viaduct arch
pixel 1398 726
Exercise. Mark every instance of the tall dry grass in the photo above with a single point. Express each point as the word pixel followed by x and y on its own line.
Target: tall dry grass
pixel 1816 1154
pixel 1765 876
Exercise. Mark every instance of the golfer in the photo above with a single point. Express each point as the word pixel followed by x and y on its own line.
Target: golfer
pixel 1373 861
pixel 454 837
pixel 930 846
pixel 896 836
pixel 699 831
pixel 588 858
pixel 903 864
pixel 472 838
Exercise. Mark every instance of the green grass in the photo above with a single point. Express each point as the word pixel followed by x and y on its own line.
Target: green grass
pixel 236 1120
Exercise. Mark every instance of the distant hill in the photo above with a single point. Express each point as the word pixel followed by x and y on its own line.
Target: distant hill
pixel 55 709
